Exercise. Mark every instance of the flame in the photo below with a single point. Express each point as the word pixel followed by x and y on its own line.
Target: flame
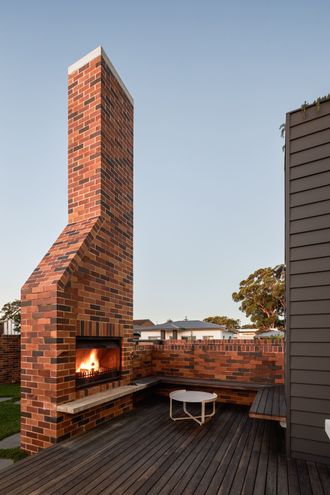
pixel 90 363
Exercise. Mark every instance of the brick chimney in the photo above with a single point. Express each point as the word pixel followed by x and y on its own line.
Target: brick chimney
pixel 100 138
pixel 83 286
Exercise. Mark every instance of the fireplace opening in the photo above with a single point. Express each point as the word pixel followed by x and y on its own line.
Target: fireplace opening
pixel 98 360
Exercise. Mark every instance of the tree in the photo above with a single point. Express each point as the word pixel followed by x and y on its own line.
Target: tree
pixel 12 311
pixel 230 323
pixel 262 297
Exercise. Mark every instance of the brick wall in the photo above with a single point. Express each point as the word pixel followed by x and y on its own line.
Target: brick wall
pixel 10 349
pixel 87 420
pixel 83 286
pixel 226 395
pixel 243 361
pixel 246 361
pixel 142 361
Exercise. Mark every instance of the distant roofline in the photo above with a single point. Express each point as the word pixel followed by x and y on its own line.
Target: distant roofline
pixel 150 329
pixel 178 326
pixel 97 52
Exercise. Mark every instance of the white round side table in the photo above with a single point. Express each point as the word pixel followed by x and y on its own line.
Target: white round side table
pixel 193 396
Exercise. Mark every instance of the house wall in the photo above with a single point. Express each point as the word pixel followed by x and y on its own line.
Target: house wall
pixel 199 334
pixel 149 334
pixel 245 334
pixel 307 214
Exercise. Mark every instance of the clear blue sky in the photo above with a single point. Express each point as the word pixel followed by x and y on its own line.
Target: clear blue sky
pixel 212 81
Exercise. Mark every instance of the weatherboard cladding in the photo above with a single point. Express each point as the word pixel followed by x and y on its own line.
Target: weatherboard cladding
pixel 307 170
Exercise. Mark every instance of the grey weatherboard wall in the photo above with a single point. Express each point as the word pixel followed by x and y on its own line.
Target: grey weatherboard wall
pixel 307 214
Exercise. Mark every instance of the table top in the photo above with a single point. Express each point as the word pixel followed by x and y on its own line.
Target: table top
pixel 192 396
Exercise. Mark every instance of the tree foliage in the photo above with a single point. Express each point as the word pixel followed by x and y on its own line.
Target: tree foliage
pixel 262 297
pixel 230 323
pixel 12 311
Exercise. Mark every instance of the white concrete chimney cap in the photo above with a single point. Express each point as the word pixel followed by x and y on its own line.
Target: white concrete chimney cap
pixel 96 53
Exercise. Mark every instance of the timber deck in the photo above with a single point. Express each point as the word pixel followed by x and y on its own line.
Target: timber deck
pixel 144 452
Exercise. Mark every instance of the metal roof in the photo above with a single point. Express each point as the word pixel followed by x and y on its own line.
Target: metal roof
pixel 185 325
pixel 142 322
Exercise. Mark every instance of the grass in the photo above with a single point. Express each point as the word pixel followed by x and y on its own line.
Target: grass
pixel 9 419
pixel 10 390
pixel 15 454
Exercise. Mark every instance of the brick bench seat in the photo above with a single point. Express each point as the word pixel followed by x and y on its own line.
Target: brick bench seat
pixel 201 382
pixel 269 403
pixel 80 405
pixel 85 403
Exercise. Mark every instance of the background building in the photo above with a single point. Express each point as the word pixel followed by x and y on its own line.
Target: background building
pixel 246 333
pixel 184 330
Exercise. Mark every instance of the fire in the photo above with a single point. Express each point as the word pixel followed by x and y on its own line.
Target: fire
pixel 89 364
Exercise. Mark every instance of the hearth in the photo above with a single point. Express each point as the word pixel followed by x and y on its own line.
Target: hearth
pixel 98 360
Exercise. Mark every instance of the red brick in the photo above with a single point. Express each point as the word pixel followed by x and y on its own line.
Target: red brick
pixel 93 255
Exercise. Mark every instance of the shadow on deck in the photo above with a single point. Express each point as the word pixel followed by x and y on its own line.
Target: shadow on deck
pixel 144 452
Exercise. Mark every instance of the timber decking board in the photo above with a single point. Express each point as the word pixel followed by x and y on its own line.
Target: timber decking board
pixel 69 454
pixel 145 453
pixel 269 403
pixel 197 458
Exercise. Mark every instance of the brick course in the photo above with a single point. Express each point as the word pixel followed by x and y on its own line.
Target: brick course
pixel 83 286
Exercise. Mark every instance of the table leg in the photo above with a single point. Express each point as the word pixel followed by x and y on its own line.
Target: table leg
pixel 202 417
pixel 195 418
pixel 203 413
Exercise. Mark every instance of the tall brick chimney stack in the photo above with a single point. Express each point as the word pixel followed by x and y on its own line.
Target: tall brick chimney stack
pixel 84 284
pixel 100 137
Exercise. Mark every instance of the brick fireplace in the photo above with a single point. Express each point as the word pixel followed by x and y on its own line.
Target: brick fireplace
pixel 78 300
pixel 98 360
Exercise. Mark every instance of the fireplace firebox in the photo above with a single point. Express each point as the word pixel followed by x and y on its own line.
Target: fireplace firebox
pixel 98 360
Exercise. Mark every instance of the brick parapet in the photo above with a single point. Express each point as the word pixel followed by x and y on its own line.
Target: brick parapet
pixel 264 345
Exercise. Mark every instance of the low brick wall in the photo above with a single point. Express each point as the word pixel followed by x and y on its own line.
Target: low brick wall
pixel 260 361
pixel 245 361
pixel 10 356
pixel 142 361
